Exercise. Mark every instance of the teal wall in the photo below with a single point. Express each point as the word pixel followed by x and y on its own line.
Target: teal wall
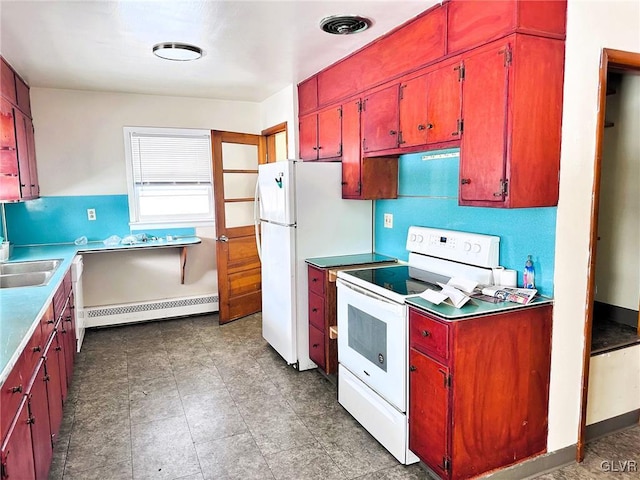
pixel 428 196
pixel 64 219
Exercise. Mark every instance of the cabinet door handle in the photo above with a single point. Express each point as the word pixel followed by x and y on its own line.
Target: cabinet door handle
pixel 412 368
pixel 426 333
pixel 314 310
pixel 465 181
pixel 393 132
pixel 314 280
pixel 50 321
pixel 8 148
pixel 315 148
pixel 316 345
pixel 37 349
pixel 345 183
pixel 17 389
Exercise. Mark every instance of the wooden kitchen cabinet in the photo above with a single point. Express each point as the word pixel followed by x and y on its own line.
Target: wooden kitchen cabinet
pixel 478 390
pixel 364 178
pixel 8 82
pixel 16 455
pixel 18 168
pixel 472 23
pixel 321 135
pixel 380 119
pixel 308 95
pixel 512 112
pixel 54 384
pixel 39 421
pixel 32 396
pixel 430 107
pixel 322 315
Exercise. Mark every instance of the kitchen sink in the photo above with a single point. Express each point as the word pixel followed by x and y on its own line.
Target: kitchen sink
pixel 29 267
pixel 29 279
pixel 27 274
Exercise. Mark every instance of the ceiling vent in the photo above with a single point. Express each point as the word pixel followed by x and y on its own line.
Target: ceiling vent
pixel 345 24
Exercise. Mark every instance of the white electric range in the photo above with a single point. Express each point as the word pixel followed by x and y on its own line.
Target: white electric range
pixel 373 325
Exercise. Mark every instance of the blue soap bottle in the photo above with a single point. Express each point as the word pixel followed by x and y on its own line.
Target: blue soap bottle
pixel 529 274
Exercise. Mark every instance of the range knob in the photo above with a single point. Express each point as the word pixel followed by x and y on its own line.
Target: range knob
pixel 413 237
pixel 475 248
pixel 420 238
pixel 467 247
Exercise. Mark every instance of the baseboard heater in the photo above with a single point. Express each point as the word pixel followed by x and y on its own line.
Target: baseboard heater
pixel 153 310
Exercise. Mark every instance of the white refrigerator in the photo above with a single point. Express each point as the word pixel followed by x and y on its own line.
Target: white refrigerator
pixel 302 215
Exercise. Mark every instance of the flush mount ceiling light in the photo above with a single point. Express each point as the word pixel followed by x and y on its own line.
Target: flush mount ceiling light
pixel 345 24
pixel 177 51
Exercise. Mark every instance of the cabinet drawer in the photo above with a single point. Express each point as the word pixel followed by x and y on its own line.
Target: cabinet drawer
pixel 13 389
pixel 316 311
pixel 316 280
pixel 428 335
pixel 316 346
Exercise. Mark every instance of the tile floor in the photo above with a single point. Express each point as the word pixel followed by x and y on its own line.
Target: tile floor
pixel 188 399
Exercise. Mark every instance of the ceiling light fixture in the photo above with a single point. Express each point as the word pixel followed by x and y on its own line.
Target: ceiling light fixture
pixel 345 24
pixel 177 51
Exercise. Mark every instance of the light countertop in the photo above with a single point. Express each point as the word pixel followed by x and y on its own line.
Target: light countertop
pixel 21 308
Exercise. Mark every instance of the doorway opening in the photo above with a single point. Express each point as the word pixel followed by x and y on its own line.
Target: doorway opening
pixel 613 284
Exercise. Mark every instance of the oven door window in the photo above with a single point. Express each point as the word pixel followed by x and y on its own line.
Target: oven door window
pixel 368 336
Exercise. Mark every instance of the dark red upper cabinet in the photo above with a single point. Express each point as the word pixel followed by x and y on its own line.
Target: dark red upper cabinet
pixel 321 135
pixel 471 23
pixel 308 95
pixel 309 137
pixel 380 120
pixel 430 107
pixel 512 114
pixel 482 152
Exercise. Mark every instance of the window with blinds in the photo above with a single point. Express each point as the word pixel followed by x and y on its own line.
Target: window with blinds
pixel 169 177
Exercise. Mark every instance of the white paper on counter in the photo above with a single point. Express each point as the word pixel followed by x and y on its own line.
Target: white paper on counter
pixel 432 296
pixel 457 298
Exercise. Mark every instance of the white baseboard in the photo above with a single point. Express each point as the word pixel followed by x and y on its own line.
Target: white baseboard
pixel 106 315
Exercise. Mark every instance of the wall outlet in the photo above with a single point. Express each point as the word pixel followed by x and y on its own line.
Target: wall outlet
pixel 388 220
pixel 91 213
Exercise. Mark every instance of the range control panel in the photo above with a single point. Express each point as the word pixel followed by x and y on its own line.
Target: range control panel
pixel 471 248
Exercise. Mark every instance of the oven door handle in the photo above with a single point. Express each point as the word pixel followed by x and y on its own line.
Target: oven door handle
pixel 365 292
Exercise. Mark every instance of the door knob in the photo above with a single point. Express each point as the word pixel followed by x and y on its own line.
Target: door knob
pixel 223 238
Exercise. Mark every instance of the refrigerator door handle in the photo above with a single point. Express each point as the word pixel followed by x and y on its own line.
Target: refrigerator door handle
pixel 256 218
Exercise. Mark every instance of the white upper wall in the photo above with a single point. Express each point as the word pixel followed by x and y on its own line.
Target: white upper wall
pixel 591 26
pixel 79 140
pixel 279 108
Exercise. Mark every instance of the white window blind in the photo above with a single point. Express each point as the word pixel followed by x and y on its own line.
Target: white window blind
pixel 170 179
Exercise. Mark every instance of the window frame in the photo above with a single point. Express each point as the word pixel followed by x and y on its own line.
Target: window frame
pixel 133 197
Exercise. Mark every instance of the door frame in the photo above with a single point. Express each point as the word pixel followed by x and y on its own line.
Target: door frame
pixel 624 62
pixel 269 135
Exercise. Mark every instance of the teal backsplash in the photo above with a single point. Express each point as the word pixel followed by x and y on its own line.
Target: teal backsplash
pixel 428 196
pixel 64 219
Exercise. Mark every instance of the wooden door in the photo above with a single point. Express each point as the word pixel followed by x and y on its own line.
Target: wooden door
pixel 351 159
pixel 428 411
pixel 16 456
pixel 484 137
pixel 444 104
pixel 309 137
pixel 235 171
pixel 380 120
pixel 413 112
pixel 330 133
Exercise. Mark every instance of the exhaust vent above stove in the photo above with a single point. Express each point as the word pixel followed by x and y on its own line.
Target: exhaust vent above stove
pixel 345 24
